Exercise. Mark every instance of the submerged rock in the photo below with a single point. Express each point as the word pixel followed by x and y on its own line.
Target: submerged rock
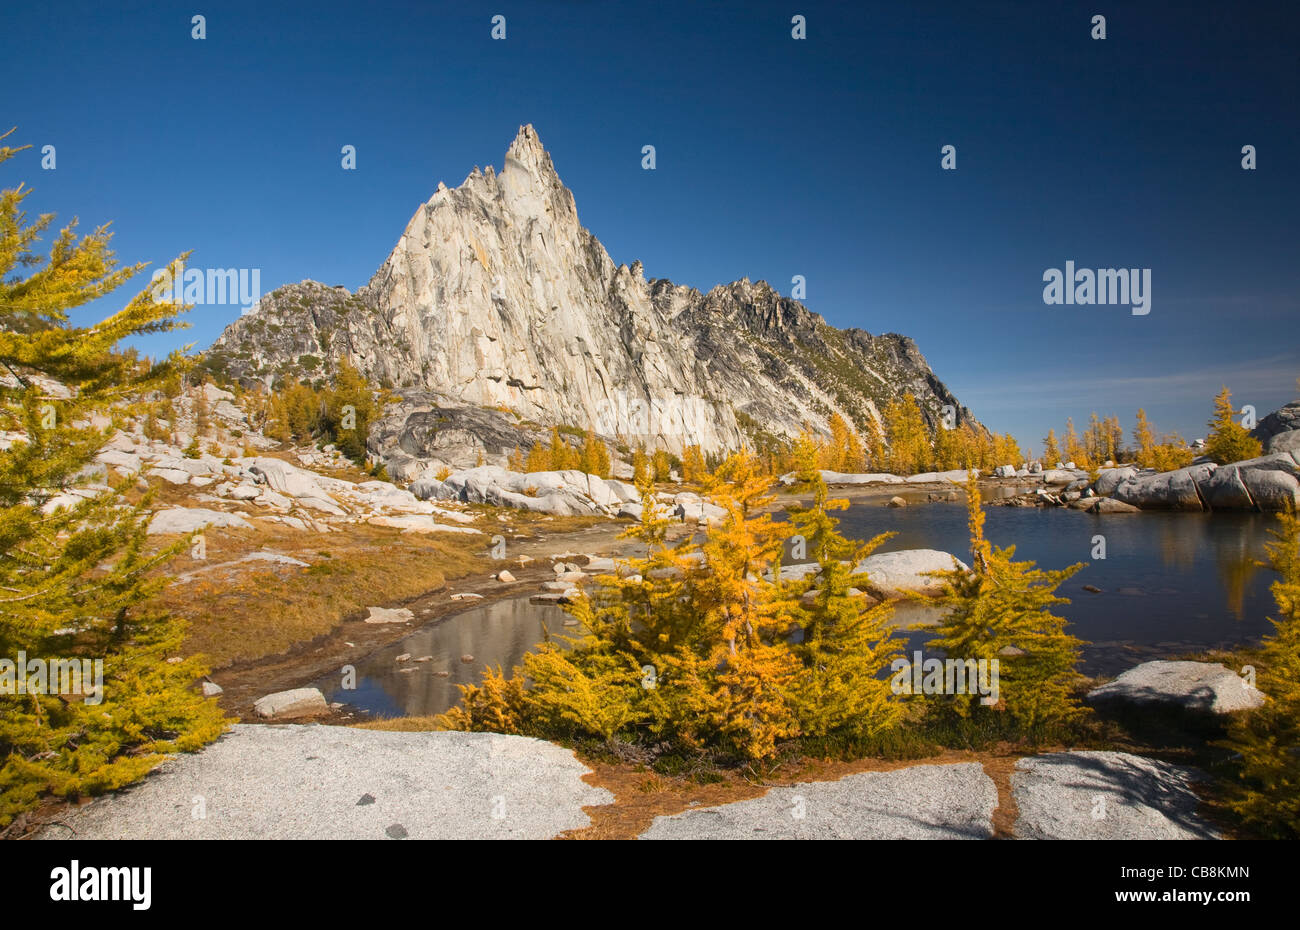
pixel 1109 505
pixel 390 615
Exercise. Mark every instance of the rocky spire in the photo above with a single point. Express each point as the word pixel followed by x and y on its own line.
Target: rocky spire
pixel 526 153
pixel 529 182
pixel 527 149
pixel 496 295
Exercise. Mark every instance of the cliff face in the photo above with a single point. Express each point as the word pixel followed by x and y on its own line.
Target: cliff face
pixel 496 296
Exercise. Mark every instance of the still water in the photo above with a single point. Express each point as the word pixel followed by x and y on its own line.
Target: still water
pixel 494 634
pixel 1171 583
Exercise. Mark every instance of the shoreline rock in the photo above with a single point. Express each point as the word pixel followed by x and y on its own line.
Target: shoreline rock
pixel 296 702
pixel 893 575
pixel 1203 687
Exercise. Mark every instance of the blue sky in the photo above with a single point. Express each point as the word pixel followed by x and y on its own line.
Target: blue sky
pixel 775 157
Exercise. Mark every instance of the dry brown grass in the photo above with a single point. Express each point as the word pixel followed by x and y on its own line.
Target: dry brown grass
pixel 249 610
pixel 401 724
pixel 537 525
pixel 641 795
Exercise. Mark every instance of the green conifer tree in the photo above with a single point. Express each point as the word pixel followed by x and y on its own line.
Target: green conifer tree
pixel 847 643
pixel 1265 792
pixel 349 409
pixel 539 458
pixel 693 468
pixel 75 584
pixel 1051 450
pixel 641 467
pixel 1229 441
pixel 594 459
pixel 999 609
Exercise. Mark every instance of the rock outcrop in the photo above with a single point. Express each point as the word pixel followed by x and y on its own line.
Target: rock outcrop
pixel 836 478
pixel 896 574
pixel 1207 687
pixel 1106 795
pixel 1285 442
pixel 290 781
pixel 950 802
pixel 1170 490
pixel 299 702
pixel 1067 795
pixel 1108 479
pixel 189 519
pixel 496 297
pixel 240 489
pixel 1270 483
pixel 1279 431
pixel 562 494
pixel 1283 420
pixel 559 493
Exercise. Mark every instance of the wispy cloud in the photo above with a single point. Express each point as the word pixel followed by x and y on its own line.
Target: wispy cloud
pixel 1271 377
